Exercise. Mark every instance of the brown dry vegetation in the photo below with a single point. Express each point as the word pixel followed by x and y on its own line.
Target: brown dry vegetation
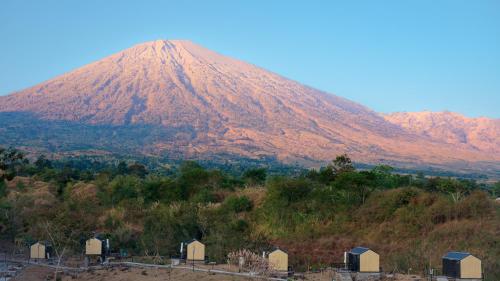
pixel 411 221
pixel 414 235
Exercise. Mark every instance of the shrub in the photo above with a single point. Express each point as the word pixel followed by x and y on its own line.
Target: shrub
pixel 288 190
pixel 238 204
pixel 204 196
pixel 255 176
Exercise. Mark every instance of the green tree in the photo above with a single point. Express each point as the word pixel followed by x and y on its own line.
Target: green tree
pixel 453 187
pixel 43 163
pixel 122 168
pixel 3 188
pixel 161 189
pixel 166 226
pixel 341 164
pixel 356 184
pixel 383 178
pixel 238 204
pixel 288 190
pixel 124 187
pixel 496 189
pixel 255 176
pixel 203 196
pixel 137 170
pixel 11 162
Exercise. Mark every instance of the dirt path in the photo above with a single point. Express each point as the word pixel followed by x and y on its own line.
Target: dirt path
pixel 126 273
pixel 34 273
pixel 37 273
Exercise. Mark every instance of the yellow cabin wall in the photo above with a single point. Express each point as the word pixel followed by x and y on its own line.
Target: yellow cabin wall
pixel 93 246
pixel 196 251
pixel 470 267
pixel 369 262
pixel 37 251
pixel 278 260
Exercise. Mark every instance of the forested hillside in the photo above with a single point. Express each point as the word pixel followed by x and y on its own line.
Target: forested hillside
pixel 315 215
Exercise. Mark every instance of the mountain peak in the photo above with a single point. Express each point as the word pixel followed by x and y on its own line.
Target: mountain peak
pixel 161 43
pixel 179 52
pixel 204 102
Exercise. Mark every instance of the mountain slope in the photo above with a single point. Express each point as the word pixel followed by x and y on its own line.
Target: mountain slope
pixel 476 133
pixel 214 104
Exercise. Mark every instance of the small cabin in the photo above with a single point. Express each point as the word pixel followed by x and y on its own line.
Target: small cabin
pixel 96 247
pixel 40 250
pixel 361 259
pixel 278 260
pixel 462 265
pixel 195 250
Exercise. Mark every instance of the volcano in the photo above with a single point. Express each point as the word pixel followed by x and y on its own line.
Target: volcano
pixel 198 102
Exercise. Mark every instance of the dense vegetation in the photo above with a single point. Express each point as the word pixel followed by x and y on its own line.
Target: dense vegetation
pixel 315 215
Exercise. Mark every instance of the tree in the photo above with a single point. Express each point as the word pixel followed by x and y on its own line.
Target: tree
pixel 62 238
pixel 238 204
pixel 11 162
pixel 42 162
pixel 160 189
pixel 326 175
pixel 255 176
pixel 383 177
pixel 454 188
pixel 355 183
pixel 3 188
pixel 124 187
pixel 122 168
pixel 496 189
pixel 192 178
pixel 341 164
pixel 165 226
pixel 137 170
pixel 288 190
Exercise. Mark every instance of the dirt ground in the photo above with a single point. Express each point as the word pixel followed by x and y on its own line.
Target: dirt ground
pixel 34 273
pixel 37 273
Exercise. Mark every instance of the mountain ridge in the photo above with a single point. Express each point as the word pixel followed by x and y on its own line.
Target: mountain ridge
pixel 480 133
pixel 215 104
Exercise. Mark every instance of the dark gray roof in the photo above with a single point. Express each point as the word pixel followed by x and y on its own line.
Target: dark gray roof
pixel 191 241
pixel 45 243
pixel 358 250
pixel 456 255
pixel 98 237
pixel 278 249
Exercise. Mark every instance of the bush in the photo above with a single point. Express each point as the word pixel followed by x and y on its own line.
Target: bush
pixel 255 176
pixel 124 187
pixel 288 190
pixel 238 204
pixel 204 196
pixel 3 188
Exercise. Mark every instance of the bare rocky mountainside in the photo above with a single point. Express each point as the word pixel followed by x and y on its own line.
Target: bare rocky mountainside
pixel 475 133
pixel 196 102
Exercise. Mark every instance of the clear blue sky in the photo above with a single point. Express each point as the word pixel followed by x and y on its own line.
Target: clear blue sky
pixel 388 55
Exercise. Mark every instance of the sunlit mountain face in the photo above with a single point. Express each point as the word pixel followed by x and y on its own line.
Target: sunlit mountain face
pixel 175 96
